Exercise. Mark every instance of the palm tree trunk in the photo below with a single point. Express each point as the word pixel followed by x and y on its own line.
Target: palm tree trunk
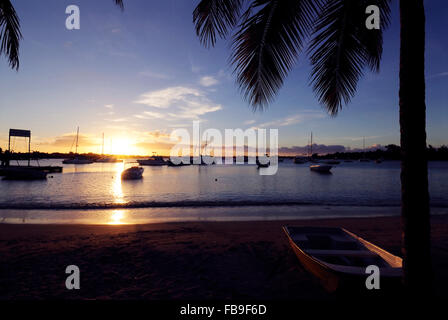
pixel 414 166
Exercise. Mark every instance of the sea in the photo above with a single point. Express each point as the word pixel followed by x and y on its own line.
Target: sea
pixel 95 194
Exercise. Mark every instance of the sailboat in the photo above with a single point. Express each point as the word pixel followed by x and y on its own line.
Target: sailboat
pixel 77 159
pixel 107 159
pixel 317 167
pixel 364 159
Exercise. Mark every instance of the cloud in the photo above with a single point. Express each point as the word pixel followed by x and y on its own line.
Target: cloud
pixel 249 122
pixel 109 106
pixel 438 75
pixel 208 81
pixel 182 103
pixel 293 119
pixel 317 148
pixel 325 149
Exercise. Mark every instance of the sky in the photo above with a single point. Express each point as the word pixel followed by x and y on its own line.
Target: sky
pixel 137 75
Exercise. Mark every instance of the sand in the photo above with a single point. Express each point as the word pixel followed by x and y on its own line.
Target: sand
pixel 191 260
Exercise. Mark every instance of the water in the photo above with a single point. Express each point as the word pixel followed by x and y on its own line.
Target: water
pixel 99 186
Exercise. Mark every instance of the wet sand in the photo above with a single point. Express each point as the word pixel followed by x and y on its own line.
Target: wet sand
pixel 189 260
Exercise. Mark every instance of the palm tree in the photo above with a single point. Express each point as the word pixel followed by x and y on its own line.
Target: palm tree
pixel 10 34
pixel 268 36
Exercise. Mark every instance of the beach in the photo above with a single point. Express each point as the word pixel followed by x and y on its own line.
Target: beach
pixel 181 260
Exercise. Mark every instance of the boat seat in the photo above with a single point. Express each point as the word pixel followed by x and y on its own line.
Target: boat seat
pixel 351 253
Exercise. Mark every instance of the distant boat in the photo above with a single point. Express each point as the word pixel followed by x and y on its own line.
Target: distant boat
pixel 321 168
pixel 263 165
pixel 153 161
pixel 339 258
pixel 108 159
pixel 379 160
pixel 332 162
pixel 364 159
pixel 172 164
pixel 132 173
pixel 299 160
pixel 77 159
pixel 24 173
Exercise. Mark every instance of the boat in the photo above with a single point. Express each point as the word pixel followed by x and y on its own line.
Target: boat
pixel 108 159
pixel 339 258
pixel 299 160
pixel 364 159
pixel 153 161
pixel 132 173
pixel 321 168
pixel 379 160
pixel 332 162
pixel 263 164
pixel 172 164
pixel 24 173
pixel 77 159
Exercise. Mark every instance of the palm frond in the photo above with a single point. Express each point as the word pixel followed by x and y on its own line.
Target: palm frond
pixel 267 46
pixel 215 17
pixel 341 47
pixel 10 34
pixel 120 4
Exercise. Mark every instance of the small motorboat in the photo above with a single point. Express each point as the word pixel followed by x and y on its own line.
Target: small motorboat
pixel 24 173
pixel 339 258
pixel 152 161
pixel 132 173
pixel 321 168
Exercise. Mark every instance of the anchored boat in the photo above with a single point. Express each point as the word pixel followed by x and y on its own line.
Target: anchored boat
pixel 321 168
pixel 132 173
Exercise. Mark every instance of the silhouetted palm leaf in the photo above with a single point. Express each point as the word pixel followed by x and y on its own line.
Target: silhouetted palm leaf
pixel 341 47
pixel 267 45
pixel 9 33
pixel 120 4
pixel 213 17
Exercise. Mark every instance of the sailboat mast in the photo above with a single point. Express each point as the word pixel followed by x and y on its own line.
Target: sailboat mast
pixel 311 147
pixel 77 134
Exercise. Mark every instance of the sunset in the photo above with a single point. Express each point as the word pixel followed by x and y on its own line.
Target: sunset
pixel 217 151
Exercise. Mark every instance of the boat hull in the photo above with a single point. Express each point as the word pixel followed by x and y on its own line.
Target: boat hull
pixel 133 173
pixel 341 278
pixel 24 174
pixel 321 168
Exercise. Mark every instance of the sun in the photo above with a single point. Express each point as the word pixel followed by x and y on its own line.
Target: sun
pixel 122 146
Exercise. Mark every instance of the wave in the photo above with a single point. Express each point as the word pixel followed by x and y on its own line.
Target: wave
pixel 177 204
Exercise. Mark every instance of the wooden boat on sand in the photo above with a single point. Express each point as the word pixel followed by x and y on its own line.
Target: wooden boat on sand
pixel 339 258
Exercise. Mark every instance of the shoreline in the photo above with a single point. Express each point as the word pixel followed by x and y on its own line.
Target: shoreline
pixel 181 260
pixel 195 214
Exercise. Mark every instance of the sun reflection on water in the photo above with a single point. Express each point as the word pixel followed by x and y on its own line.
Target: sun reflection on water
pixel 117 190
pixel 117 217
